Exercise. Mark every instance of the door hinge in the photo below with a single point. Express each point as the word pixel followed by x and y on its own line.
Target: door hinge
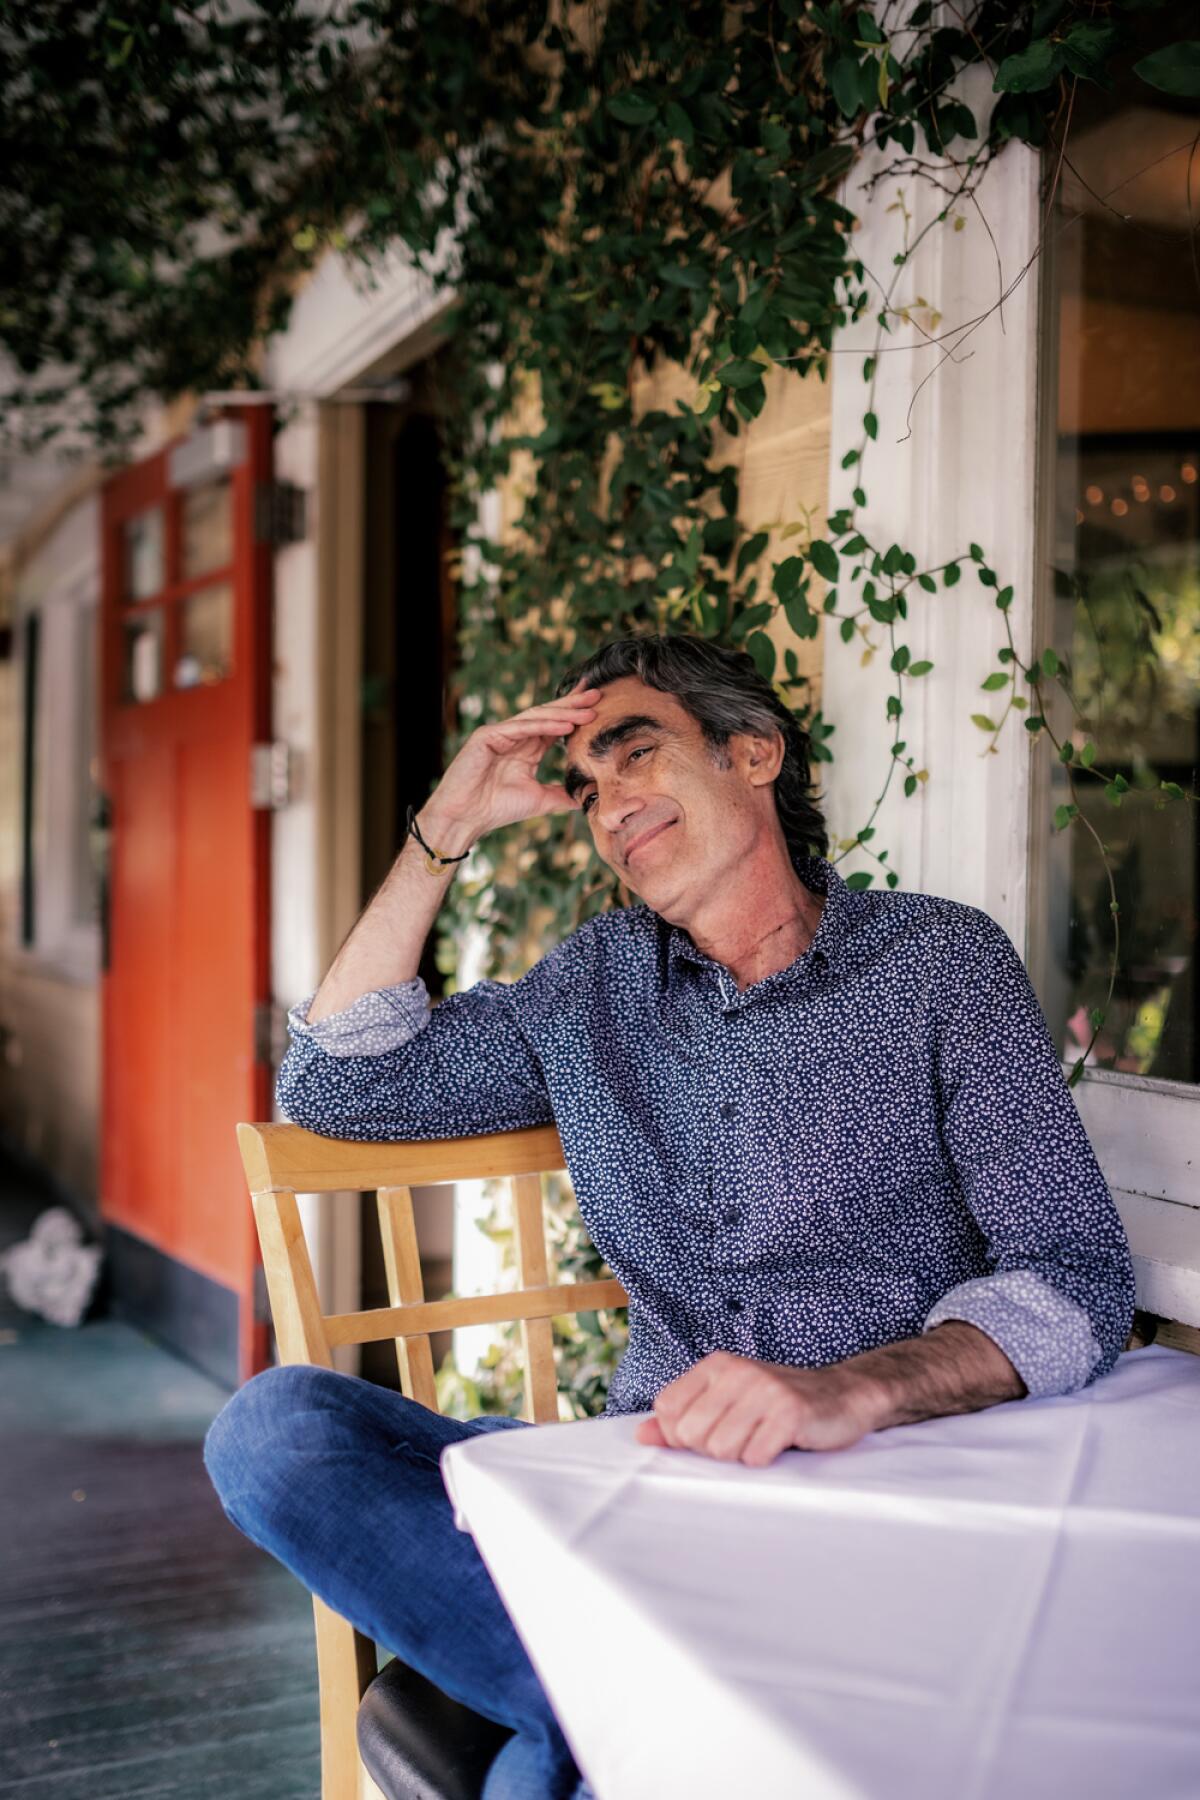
pixel 280 513
pixel 270 776
pixel 270 1033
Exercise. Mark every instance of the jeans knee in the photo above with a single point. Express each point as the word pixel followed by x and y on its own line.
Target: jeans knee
pixel 255 1430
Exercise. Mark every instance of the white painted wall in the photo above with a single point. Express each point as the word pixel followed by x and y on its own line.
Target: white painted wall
pixel 953 463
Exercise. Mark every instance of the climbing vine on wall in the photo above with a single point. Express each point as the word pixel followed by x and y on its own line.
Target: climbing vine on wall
pixel 610 192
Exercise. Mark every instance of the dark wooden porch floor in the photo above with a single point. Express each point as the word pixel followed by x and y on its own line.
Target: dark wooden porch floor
pixel 146 1648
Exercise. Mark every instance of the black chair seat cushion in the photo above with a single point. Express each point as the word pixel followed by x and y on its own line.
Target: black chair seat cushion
pixel 419 1744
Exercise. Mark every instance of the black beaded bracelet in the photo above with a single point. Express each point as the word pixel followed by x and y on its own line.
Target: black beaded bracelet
pixel 431 855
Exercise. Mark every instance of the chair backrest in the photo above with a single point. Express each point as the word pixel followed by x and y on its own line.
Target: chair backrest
pixel 282 1161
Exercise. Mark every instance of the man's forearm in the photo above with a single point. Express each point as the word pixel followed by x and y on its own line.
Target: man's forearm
pixel 955 1368
pixel 385 946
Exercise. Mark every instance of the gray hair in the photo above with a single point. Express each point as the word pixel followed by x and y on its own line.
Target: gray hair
pixel 723 690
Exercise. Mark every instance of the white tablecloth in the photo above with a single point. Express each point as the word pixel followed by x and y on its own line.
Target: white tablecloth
pixel 1000 1606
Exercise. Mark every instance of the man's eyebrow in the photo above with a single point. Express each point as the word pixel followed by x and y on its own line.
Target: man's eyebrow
pixel 606 740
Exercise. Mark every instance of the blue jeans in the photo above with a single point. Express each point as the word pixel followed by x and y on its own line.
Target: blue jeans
pixel 339 1479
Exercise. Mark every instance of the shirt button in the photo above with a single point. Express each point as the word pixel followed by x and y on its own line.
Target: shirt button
pixel 731 1216
pixel 733 1304
pixel 728 1109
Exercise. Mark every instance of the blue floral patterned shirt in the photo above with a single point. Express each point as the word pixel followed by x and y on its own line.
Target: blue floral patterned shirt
pixel 866 1143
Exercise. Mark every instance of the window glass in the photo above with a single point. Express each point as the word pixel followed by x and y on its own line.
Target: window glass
pixel 205 636
pixel 143 542
pixel 1122 402
pixel 143 654
pixel 207 529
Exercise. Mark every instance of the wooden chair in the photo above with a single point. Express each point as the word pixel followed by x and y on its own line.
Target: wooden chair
pixel 282 1161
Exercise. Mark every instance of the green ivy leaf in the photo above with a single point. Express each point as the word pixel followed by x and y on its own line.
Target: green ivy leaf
pixel 1029 70
pixel 750 552
pixel 983 722
pixel 824 559
pixel 1034 724
pixel 871 425
pixel 1172 790
pixel 950 574
pixel 995 681
pixel 1087 755
pixel 741 373
pixel 842 77
pixel 1175 69
pixel 928 583
pixel 762 650
pixel 803 621
pixel 1050 662
pixel 919 668
pixel 678 123
pixel 862 878
pixel 900 659
pixel 1063 816
pixel 633 107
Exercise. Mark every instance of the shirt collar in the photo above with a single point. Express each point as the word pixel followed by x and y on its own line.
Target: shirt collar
pixel 836 926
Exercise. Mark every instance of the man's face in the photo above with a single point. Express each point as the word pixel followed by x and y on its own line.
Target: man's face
pixel 663 813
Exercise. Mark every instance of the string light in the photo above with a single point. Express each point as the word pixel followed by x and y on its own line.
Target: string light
pixel 1094 494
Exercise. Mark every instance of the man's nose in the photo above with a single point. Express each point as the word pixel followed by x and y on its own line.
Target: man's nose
pixel 615 811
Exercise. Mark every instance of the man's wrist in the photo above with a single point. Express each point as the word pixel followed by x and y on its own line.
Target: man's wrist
pixel 444 830
pixel 952 1369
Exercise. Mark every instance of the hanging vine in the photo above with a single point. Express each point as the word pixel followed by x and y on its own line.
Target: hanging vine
pixel 623 200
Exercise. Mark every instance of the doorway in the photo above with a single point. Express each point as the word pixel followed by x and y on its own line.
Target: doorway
pixel 409 643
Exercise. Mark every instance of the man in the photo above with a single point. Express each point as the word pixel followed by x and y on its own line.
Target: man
pixel 821 1135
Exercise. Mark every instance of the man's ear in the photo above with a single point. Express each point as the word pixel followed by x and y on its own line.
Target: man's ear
pixel 758 758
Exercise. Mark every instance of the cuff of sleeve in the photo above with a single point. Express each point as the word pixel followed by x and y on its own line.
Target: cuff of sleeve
pixel 372 1025
pixel 1047 1338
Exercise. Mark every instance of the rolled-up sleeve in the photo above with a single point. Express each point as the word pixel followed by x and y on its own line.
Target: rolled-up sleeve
pixel 392 1068
pixel 1058 1298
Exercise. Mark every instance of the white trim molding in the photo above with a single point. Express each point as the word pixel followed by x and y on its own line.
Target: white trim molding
pixel 1146 1134
pixel 955 462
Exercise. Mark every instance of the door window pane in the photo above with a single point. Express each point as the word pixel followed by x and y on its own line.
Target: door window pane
pixel 145 570
pixel 207 529
pixel 1125 604
pixel 205 636
pixel 143 654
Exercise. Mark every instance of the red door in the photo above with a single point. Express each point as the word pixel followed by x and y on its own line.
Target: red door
pixel 186 619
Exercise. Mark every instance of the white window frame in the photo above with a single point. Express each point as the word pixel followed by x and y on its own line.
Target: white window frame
pixel 61 585
pixel 955 462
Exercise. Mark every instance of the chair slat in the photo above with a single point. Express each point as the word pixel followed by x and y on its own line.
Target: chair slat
pixel 537 1335
pixel 346 1666
pixel 402 1260
pixel 286 1156
pixel 473 1309
pixel 295 1308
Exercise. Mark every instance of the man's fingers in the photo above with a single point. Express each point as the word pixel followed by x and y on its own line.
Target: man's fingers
pixel 556 799
pixel 650 1432
pixel 767 1441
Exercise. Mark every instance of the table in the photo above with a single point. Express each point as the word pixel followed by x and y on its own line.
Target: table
pixel 999 1606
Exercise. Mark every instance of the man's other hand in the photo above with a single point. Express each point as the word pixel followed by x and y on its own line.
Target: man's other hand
pixel 736 1409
